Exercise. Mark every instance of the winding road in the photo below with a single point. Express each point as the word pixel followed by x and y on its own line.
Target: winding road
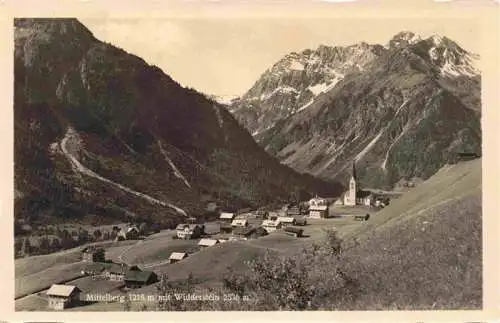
pixel 71 138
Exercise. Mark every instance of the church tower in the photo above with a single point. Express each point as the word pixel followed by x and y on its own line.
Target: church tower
pixel 350 196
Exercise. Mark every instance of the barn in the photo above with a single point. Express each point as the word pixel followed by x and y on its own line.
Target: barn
pixel 177 256
pixel 63 296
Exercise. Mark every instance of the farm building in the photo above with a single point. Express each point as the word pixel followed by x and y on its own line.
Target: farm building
pixel 62 296
pixel 207 242
pixel 364 198
pixel 465 156
pixel 301 221
pixel 189 231
pixel 106 270
pixel 293 210
pixel 226 227
pixel 114 271
pixel 239 223
pixel 135 278
pixel 177 256
pixel 261 214
pixel 93 254
pixel 93 269
pixel 273 216
pixel 294 231
pixel 244 231
pixel 227 217
pixel 286 221
pixel 318 211
pixel 270 225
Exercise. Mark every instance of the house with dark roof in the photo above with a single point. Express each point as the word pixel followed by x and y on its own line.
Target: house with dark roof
pixel 364 197
pixel 245 232
pixel 62 296
pixel 135 278
pixel 294 231
pixel 226 227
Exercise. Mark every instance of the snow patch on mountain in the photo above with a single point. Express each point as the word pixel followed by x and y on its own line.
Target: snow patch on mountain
pixel 324 87
pixel 296 66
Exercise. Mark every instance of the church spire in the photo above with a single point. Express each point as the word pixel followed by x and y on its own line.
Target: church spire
pixel 354 170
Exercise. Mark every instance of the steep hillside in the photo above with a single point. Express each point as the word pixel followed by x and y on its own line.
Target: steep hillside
pixel 402 113
pixel 99 131
pixel 424 251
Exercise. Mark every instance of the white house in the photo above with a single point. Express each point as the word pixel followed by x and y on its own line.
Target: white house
pixel 188 231
pixel 239 223
pixel 286 221
pixel 271 225
pixel 318 211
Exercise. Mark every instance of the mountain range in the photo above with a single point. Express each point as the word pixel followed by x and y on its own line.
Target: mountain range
pixel 400 110
pixel 100 134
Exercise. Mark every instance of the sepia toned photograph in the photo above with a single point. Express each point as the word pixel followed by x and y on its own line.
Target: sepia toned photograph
pixel 271 164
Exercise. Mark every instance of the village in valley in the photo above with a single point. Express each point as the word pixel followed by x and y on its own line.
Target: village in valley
pixel 136 259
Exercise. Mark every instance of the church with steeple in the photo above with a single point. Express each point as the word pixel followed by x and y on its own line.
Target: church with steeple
pixel 350 195
pixel 354 195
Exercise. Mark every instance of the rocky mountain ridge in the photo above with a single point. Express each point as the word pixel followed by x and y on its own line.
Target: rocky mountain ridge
pixel 368 103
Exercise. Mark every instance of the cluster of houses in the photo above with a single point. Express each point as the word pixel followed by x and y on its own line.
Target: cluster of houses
pixel 62 296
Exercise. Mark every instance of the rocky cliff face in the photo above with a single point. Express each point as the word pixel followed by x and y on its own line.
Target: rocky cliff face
pixel 99 131
pixel 400 110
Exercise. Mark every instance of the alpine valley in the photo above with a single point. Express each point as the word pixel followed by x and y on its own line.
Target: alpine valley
pixel 400 110
pixel 100 133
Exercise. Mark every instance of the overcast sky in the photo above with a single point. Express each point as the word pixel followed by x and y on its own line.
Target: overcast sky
pixel 226 56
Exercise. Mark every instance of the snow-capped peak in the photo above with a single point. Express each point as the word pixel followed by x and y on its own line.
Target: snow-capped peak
pixel 403 38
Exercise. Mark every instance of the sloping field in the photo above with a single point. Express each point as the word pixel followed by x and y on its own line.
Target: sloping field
pixel 424 251
pixel 44 279
pixel 213 262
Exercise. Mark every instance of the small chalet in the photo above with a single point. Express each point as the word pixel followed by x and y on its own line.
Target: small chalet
pixel 318 208
pixel 132 232
pixel 93 269
pixel 177 256
pixel 135 278
pixel 364 197
pixel 106 270
pixel 63 296
pixel 226 217
pixel 286 221
pixel 226 227
pixel 294 231
pixel 189 231
pixel 465 156
pixel 114 271
pixel 93 254
pixel 245 232
pixel 301 221
pixel 239 223
pixel 293 210
pixel 271 225
pixel 318 211
pixel 261 214
pixel 208 242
